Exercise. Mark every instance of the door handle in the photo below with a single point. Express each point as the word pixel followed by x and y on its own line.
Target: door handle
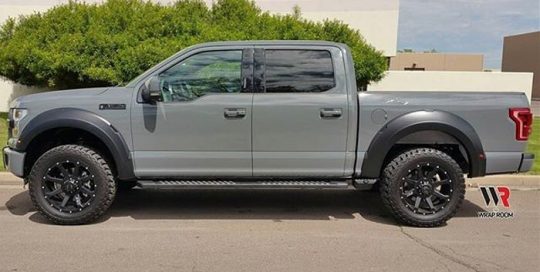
pixel 235 113
pixel 331 113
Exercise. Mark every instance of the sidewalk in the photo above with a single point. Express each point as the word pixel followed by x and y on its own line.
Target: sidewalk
pixel 509 180
pixel 529 181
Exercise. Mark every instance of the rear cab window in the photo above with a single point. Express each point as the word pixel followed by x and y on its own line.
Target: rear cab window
pixel 298 71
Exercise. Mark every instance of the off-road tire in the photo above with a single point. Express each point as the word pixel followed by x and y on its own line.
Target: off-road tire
pixel 391 187
pixel 103 181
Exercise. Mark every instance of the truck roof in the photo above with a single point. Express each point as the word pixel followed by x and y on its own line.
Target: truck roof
pixel 272 42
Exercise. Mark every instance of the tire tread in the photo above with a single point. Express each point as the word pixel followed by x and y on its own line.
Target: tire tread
pixel 99 210
pixel 390 175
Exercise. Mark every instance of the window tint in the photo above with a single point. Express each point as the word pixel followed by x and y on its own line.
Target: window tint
pixel 290 71
pixel 207 72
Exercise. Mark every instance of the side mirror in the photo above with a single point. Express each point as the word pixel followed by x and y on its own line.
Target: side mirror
pixel 151 92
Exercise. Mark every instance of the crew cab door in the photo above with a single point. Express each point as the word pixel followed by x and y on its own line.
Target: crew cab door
pixel 203 125
pixel 300 112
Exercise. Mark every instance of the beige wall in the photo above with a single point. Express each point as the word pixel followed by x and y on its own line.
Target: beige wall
pixel 521 53
pixel 455 82
pixel 438 61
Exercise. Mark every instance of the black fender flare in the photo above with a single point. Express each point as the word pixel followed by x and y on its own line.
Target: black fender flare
pixel 87 121
pixel 408 123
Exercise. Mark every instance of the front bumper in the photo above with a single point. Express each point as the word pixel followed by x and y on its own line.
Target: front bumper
pixel 14 161
pixel 527 161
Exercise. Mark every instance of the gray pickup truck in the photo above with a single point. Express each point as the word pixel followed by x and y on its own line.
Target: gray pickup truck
pixel 279 114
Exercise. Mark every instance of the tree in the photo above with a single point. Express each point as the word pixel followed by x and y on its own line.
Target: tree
pixel 79 44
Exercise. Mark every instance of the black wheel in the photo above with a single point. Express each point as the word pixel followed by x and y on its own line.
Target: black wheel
pixel 71 184
pixel 423 187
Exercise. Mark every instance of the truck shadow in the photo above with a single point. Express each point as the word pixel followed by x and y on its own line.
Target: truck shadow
pixel 273 205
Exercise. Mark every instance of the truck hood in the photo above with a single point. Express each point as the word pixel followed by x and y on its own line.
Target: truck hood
pixel 67 96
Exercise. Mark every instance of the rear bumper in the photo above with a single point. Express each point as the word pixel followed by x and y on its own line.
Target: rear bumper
pixel 14 161
pixel 508 162
pixel 527 161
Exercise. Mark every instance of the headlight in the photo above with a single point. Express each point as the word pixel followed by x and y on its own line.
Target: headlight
pixel 17 115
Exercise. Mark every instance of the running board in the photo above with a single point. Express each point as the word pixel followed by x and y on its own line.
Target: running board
pixel 225 184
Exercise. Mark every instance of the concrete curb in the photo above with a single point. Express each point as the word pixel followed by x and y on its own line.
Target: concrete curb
pixel 510 180
pixel 7 178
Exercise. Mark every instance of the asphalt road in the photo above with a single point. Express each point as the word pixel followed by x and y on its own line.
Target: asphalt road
pixel 266 231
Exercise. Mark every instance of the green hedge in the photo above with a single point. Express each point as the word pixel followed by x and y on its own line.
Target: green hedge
pixel 80 44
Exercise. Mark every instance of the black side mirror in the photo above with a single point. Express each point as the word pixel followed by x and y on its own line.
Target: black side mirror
pixel 151 92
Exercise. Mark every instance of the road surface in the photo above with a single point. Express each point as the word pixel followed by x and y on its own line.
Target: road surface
pixel 271 230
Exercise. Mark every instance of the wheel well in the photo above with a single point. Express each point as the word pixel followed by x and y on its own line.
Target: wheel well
pixel 61 136
pixel 432 139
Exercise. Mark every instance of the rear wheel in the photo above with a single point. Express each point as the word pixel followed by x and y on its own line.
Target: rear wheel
pixel 71 184
pixel 423 187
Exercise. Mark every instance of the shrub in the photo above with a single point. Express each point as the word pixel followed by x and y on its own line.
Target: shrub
pixel 79 44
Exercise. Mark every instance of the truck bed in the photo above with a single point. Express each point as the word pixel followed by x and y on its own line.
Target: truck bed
pixel 486 112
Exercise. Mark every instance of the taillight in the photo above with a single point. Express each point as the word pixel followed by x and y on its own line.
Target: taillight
pixel 523 119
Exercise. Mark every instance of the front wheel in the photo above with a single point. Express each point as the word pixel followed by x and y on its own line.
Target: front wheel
pixel 423 187
pixel 71 184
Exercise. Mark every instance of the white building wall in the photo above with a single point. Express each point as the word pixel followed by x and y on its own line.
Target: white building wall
pixel 455 82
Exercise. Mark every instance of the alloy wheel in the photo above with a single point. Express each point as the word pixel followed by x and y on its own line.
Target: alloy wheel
pixel 68 186
pixel 426 189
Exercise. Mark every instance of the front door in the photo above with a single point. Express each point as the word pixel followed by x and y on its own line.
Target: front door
pixel 300 113
pixel 202 128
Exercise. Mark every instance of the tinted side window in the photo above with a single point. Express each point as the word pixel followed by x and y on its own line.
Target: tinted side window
pixel 289 71
pixel 207 72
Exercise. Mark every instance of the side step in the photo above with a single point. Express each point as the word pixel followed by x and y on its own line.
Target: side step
pixel 227 184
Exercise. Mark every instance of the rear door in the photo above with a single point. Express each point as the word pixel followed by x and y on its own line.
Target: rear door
pixel 300 112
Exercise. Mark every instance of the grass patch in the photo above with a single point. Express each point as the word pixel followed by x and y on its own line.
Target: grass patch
pixel 534 146
pixel 3 136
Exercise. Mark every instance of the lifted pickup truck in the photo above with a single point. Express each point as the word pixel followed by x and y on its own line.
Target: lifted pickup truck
pixel 276 114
